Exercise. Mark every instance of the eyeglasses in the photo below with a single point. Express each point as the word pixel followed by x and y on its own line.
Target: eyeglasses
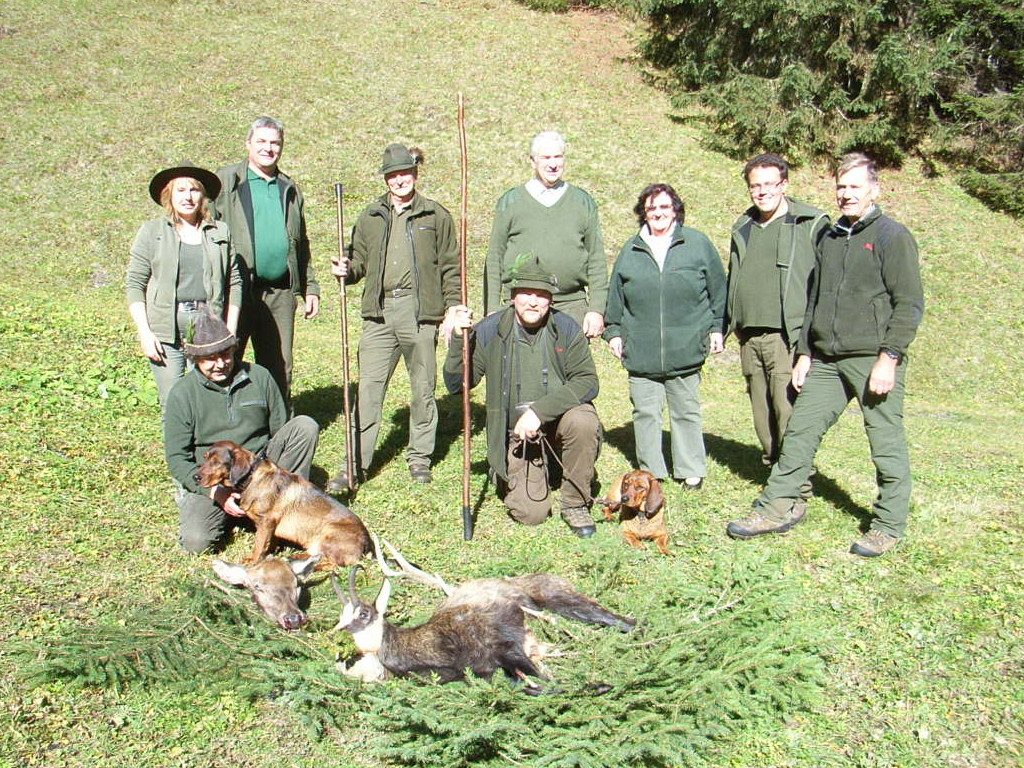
pixel 771 187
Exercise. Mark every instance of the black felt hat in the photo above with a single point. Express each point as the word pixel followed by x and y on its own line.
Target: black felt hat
pixel 207 178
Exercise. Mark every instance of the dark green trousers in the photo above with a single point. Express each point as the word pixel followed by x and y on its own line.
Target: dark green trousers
pixel 383 342
pixel 829 387
pixel 268 321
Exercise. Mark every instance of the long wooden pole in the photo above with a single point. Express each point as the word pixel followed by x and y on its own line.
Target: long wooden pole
pixel 467 510
pixel 339 194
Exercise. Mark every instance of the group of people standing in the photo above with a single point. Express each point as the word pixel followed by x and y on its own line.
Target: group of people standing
pixel 821 309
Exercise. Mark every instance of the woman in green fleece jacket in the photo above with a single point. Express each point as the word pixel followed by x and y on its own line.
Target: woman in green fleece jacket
pixel 182 264
pixel 665 306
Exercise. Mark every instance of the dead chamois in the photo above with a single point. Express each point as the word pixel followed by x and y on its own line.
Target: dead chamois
pixel 479 628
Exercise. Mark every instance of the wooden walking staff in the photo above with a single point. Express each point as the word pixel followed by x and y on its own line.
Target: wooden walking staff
pixel 339 194
pixel 467 510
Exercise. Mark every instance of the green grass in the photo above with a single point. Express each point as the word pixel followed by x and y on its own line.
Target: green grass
pixel 924 648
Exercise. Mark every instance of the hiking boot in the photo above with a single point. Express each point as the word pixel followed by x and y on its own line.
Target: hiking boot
pixel 691 483
pixel 338 483
pixel 767 520
pixel 873 543
pixel 580 521
pixel 420 473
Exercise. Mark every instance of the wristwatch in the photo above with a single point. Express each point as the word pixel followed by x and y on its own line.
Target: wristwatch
pixel 892 353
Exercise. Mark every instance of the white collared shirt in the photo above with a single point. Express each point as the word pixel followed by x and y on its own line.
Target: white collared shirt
pixel 546 196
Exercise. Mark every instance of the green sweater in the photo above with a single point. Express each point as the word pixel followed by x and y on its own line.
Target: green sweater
pixel 569 378
pixel 866 292
pixel 248 410
pixel 565 237
pixel 664 316
pixel 802 227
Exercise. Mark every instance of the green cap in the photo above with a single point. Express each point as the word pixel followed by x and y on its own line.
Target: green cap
pixel 527 272
pixel 397 157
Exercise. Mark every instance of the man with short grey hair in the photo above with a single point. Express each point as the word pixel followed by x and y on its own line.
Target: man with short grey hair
pixel 558 223
pixel 265 211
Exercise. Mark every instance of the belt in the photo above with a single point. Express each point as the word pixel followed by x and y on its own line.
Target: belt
pixel 397 293
pixel 191 306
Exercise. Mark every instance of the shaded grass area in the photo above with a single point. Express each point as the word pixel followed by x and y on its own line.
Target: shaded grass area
pixel 923 649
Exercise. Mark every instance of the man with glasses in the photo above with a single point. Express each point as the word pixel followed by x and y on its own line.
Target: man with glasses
pixel 770 261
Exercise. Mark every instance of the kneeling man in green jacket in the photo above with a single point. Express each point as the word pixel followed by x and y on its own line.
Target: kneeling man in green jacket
pixel 863 310
pixel 221 399
pixel 542 427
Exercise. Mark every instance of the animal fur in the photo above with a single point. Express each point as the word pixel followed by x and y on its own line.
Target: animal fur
pixel 638 498
pixel 480 627
pixel 286 506
pixel 275 586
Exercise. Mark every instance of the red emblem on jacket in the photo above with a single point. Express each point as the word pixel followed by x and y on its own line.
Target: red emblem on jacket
pixel 869 246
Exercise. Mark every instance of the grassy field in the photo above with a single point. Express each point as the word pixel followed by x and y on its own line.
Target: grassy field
pixel 923 651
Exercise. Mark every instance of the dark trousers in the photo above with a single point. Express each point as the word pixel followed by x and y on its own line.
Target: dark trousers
pixel 268 321
pixel 576 436
pixel 829 387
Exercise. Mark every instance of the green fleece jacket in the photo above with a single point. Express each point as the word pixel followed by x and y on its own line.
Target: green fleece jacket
pixel 569 379
pixel 153 273
pixel 234 206
pixel 866 293
pixel 801 227
pixel 664 315
pixel 248 410
pixel 436 274
pixel 566 238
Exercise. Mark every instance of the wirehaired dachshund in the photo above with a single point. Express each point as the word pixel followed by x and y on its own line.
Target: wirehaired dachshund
pixel 640 502
pixel 286 506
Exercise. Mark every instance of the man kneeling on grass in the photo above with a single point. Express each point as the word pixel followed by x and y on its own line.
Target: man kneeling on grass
pixel 220 399
pixel 541 382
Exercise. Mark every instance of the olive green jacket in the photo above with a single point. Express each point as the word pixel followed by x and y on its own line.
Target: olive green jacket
pixel 436 274
pixel 153 273
pixel 570 380
pixel 234 206
pixel 802 227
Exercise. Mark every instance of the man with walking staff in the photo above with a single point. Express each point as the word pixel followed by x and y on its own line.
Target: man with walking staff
pixel 864 307
pixel 405 247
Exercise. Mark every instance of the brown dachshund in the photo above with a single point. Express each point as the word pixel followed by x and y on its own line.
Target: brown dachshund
pixel 285 505
pixel 640 502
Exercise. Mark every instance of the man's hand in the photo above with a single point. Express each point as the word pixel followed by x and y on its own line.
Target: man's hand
pixel 716 342
pixel 593 325
pixel 227 500
pixel 312 306
pixel 527 426
pixel 339 268
pixel 456 319
pixel 800 369
pixel 883 375
pixel 616 346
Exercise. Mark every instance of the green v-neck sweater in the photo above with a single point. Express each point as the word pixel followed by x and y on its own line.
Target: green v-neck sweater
pixel 566 238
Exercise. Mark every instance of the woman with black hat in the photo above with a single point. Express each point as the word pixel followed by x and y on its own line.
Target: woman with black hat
pixel 182 264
